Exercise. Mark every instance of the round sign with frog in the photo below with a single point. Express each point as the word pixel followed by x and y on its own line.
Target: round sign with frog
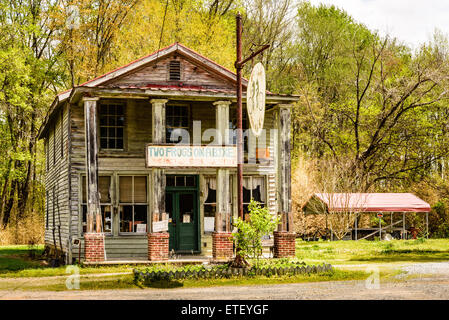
pixel 255 98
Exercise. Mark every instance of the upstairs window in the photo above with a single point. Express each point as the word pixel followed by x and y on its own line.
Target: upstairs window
pixel 176 117
pixel 112 124
pixel 174 70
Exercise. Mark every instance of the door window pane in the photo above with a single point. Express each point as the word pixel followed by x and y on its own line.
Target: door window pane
pixel 186 208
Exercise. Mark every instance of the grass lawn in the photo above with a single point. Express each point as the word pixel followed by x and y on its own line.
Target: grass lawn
pixel 15 262
pixel 363 251
pixel 19 272
pixel 92 282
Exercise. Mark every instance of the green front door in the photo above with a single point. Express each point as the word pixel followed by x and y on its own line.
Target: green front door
pixel 182 208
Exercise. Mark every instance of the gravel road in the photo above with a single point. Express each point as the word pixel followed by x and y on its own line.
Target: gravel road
pixel 420 281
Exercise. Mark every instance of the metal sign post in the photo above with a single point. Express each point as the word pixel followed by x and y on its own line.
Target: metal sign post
pixel 239 66
pixel 239 63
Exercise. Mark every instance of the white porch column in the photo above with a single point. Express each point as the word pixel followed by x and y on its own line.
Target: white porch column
pixel 93 199
pixel 93 239
pixel 158 242
pixel 283 125
pixel 222 215
pixel 284 238
pixel 158 137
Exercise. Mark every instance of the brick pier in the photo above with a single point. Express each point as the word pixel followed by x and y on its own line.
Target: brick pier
pixel 222 245
pixel 94 247
pixel 158 246
pixel 284 244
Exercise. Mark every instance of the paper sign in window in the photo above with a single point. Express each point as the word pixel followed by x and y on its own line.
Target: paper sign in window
pixel 142 227
pixel 186 218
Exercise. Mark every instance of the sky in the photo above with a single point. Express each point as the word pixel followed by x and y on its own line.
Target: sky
pixel 411 21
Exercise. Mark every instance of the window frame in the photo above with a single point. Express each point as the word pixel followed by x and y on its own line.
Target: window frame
pixel 214 204
pixel 101 104
pixel 264 177
pixel 189 120
pixel 47 153
pixel 84 204
pixel 119 204
pixel 47 209
pixel 54 142
pixel 62 133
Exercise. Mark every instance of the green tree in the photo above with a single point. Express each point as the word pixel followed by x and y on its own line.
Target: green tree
pixel 248 239
pixel 368 100
pixel 30 73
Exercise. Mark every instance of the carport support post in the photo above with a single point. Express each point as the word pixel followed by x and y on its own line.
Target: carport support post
pixel 355 225
pixel 284 238
pixel 380 228
pixel 427 225
pixel 158 241
pixel 403 226
pixel 222 246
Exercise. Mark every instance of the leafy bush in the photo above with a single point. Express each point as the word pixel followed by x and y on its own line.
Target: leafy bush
pixel 248 239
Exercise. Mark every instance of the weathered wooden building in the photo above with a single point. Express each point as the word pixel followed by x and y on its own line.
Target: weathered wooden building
pixel 107 200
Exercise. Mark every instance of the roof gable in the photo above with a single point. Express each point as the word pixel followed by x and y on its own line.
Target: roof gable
pixel 193 74
pixel 190 57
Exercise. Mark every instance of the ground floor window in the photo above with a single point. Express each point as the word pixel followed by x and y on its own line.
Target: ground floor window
pixel 133 204
pixel 104 187
pixel 254 187
pixel 209 190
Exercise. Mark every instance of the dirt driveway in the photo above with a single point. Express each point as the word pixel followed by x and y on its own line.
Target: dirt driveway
pixel 420 281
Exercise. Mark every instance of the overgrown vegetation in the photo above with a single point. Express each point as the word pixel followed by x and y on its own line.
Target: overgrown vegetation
pixel 371 107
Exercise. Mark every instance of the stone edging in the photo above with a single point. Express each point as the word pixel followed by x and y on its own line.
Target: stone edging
pixel 208 273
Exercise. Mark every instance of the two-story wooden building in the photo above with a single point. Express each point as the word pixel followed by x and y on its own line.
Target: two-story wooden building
pixel 105 197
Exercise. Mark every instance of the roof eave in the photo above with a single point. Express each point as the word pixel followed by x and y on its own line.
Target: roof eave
pixel 174 94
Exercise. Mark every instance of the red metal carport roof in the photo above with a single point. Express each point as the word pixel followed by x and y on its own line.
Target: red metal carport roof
pixel 373 202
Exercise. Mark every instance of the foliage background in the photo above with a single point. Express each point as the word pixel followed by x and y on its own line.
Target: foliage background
pixel 373 114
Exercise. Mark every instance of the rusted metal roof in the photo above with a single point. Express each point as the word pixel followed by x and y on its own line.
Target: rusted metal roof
pixel 372 202
pixel 185 88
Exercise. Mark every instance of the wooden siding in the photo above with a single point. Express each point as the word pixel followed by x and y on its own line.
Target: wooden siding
pixel 117 248
pixel 158 73
pixel 132 161
pixel 57 186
